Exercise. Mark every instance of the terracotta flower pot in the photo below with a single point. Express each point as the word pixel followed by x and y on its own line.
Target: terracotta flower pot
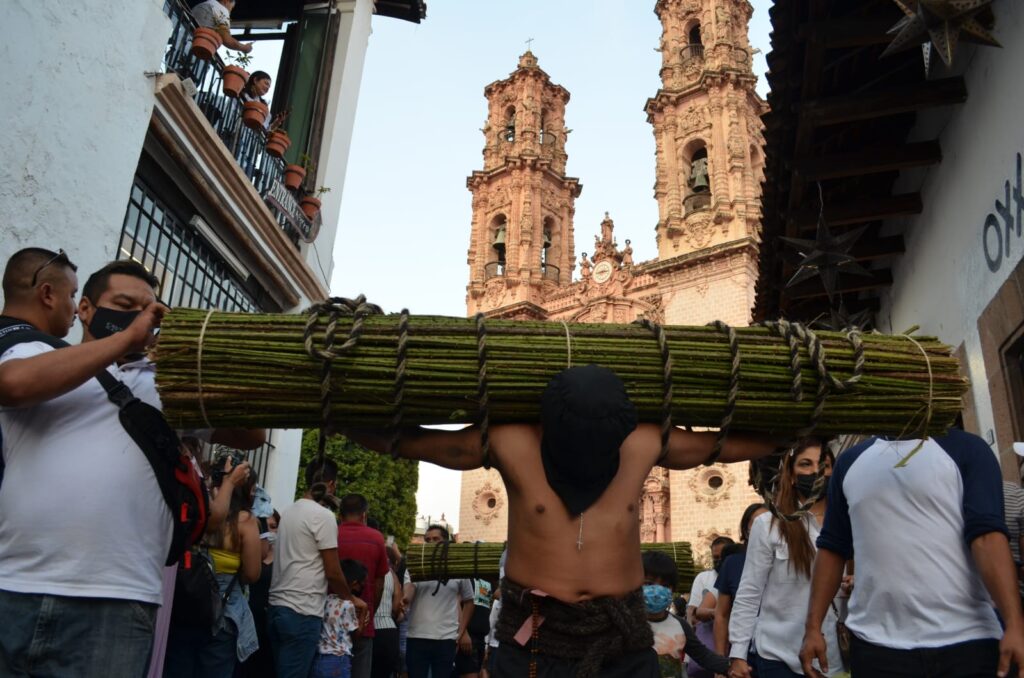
pixel 310 206
pixel 278 143
pixel 205 43
pixel 234 78
pixel 293 176
pixel 254 114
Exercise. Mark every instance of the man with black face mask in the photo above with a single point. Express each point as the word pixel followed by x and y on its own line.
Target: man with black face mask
pixel 84 528
pixel 572 604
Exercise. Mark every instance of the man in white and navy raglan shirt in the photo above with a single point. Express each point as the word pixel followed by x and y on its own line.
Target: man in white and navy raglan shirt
pixel 932 556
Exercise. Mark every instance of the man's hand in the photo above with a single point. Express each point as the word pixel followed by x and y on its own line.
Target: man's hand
pixel 738 668
pixel 1011 649
pixel 465 644
pixel 140 333
pixel 814 647
pixel 362 610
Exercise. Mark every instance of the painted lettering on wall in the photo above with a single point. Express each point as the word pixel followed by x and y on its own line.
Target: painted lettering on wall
pixel 998 231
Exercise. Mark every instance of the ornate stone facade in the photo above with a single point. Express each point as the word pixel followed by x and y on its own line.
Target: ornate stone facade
pixel 522 254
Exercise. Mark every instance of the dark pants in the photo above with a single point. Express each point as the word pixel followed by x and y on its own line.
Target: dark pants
pixel 83 637
pixel 514 662
pixel 362 657
pixel 970 659
pixel 771 668
pixel 429 657
pixel 193 652
pixel 386 653
pixel 293 639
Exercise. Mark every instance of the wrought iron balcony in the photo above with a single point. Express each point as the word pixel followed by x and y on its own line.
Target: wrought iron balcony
pixel 693 51
pixel 494 269
pixel 247 146
pixel 696 202
pixel 551 272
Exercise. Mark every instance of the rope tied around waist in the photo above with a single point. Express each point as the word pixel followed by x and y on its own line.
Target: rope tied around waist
pixel 589 632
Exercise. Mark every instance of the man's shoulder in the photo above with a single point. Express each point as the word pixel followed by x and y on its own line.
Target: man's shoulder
pixel 26 349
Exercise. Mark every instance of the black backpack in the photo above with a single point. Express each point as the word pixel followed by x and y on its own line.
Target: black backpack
pixel 182 488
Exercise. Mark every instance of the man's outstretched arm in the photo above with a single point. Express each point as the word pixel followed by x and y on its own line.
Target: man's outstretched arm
pixel 992 556
pixel 458 450
pixel 687 449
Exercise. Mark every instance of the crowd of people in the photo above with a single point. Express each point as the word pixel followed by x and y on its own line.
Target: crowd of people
pixel 896 558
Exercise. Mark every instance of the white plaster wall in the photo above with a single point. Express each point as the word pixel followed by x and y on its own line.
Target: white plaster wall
pixel 282 471
pixel 353 40
pixel 943 282
pixel 75 107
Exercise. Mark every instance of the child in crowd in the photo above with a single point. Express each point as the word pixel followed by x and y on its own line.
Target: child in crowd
pixel 334 654
pixel 673 636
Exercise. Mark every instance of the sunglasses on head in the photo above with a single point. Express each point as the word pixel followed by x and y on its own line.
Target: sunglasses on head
pixel 60 255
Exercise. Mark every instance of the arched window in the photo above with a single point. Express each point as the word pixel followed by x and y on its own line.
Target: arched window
pixel 543 135
pixel 509 131
pixel 549 252
pixel 698 180
pixel 498 235
pixel 695 47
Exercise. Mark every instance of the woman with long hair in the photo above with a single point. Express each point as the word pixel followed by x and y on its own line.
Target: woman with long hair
pixel 776 581
pixel 236 554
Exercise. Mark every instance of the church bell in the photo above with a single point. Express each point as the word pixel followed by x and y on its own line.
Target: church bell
pixel 547 239
pixel 699 176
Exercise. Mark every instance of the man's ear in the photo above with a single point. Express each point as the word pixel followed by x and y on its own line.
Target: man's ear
pixel 46 294
pixel 85 310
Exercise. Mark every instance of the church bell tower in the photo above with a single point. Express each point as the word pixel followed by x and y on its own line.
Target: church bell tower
pixel 707 128
pixel 521 245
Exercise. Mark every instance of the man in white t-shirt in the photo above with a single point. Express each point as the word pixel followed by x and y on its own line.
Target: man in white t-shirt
pixel 306 566
pixel 79 582
pixel 923 519
pixel 439 615
pixel 216 14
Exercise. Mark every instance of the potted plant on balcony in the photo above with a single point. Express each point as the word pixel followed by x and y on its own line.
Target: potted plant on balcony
pixel 235 76
pixel 206 42
pixel 294 174
pixel 254 114
pixel 311 203
pixel 278 143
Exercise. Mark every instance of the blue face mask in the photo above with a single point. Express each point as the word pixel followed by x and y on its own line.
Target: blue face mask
pixel 657 598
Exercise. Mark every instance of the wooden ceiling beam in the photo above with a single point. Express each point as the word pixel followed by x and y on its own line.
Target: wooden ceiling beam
pixel 846 284
pixel 836 33
pixel 852 212
pixel 869 248
pixel 886 102
pixel 868 161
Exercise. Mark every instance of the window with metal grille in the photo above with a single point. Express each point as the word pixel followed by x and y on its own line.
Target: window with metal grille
pixel 190 271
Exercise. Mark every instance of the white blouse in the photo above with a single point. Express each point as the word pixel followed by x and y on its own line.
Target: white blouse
pixel 770 607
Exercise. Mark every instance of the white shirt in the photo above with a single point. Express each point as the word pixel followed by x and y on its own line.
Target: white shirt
pixel 436 616
pixel 211 13
pixel 81 513
pixel 492 637
pixel 771 602
pixel 909 530
pixel 299 582
pixel 704 581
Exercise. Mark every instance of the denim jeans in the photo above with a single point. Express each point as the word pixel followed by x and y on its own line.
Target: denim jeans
pixel 293 640
pixel 194 652
pixel 425 657
pixel 84 637
pixel 332 666
pixel 771 668
pixel 970 659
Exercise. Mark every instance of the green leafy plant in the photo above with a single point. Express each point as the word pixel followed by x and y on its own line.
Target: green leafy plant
pixel 241 59
pixel 320 191
pixel 307 164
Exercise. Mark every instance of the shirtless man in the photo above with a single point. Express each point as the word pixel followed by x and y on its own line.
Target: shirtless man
pixel 574 482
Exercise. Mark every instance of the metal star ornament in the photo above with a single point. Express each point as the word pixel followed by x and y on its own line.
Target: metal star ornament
pixel 939 25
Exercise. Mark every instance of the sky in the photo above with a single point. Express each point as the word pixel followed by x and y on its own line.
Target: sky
pixel 405 216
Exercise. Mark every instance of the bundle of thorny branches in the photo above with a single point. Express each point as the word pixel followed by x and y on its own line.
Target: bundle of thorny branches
pixel 269 370
pixel 429 562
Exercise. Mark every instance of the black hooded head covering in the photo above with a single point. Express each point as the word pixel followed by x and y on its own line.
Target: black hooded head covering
pixel 586 415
